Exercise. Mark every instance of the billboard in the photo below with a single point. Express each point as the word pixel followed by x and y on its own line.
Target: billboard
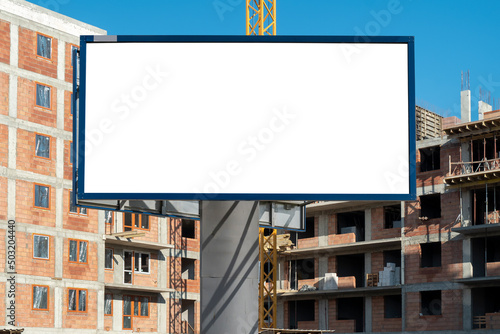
pixel 245 118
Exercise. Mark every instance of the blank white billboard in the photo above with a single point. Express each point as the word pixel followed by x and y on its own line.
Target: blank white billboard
pixel 246 118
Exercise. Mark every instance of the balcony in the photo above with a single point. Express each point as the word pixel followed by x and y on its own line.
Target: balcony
pixel 473 172
pixel 126 239
pixel 340 293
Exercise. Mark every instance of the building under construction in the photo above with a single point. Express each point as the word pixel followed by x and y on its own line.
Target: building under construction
pixel 428 265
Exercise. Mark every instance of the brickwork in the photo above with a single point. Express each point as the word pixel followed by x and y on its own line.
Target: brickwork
pixel 310 242
pixel 492 320
pixel 25 315
pixel 28 58
pixel 26 104
pixel 4 145
pixel 86 271
pixel 378 226
pixel 4 42
pixel 450 318
pixel 450 269
pixel 493 269
pixel 377 262
pixel 313 281
pixel 4 89
pixel 150 279
pixel 3 250
pixel 151 234
pixel 68 117
pixel 27 159
pixel 147 324
pixel 25 210
pixel 345 238
pixel 379 322
pixel 175 235
pixel 3 198
pixel 347 282
pixel 68 166
pixel 194 284
pixel 68 66
pixel 340 326
pixel 26 263
pixel 77 221
pixel 81 320
pixel 108 322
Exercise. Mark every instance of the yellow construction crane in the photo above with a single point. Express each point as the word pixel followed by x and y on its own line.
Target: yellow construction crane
pixel 261 20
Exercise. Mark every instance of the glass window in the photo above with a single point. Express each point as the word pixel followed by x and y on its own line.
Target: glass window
pixel 40 246
pixel 77 300
pixel 78 247
pixel 73 244
pixel 72 206
pixel 44 46
pixel 42 146
pixel 43 96
pixel 144 307
pixel 108 258
pixel 40 297
pixel 141 262
pixel 108 217
pixel 82 300
pixel 73 48
pixel 72 300
pixel 145 222
pixel 41 196
pixel 108 307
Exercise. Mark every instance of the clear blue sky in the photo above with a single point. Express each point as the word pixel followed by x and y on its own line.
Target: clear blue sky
pixel 450 35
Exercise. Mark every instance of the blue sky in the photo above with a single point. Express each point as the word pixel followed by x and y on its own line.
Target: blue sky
pixel 450 35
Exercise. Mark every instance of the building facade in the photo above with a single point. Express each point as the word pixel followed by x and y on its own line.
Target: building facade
pixel 426 265
pixel 75 270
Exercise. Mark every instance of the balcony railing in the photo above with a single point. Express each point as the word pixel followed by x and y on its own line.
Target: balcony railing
pixel 470 167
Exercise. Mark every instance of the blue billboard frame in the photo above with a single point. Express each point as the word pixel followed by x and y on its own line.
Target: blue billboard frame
pixel 79 117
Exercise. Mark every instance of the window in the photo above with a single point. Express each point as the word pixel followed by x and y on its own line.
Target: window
pixel 40 246
pixel 134 306
pixel 75 209
pixel 141 262
pixel 305 269
pixel 429 158
pixel 430 255
pixel 108 304
pixel 108 258
pixel 430 302
pixel 43 96
pixel 430 206
pixel 309 232
pixel 40 297
pixel 78 251
pixel 392 307
pixel 188 228
pixel 133 221
pixel 188 266
pixel 108 217
pixel 77 300
pixel 392 216
pixel 42 146
pixel 42 196
pixel 305 310
pixel 43 46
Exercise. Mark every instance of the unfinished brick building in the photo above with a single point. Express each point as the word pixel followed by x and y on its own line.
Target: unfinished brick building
pixel 76 270
pixel 428 265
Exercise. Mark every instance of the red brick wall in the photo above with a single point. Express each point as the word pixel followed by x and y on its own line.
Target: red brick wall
pixel 4 145
pixel 68 66
pixel 68 166
pixel 435 177
pixel 26 158
pixel 175 236
pixel 340 326
pixel 2 249
pixel 377 262
pixel 314 281
pixel 194 284
pixel 26 264
pixel 333 237
pixel 3 198
pixel 347 282
pixel 450 318
pixel 29 60
pixel 451 264
pixel 4 90
pixel 492 320
pixel 25 316
pixel 108 322
pixel 493 269
pixel 146 324
pixel 450 210
pixel 85 271
pixel 151 234
pixel 25 210
pixel 310 242
pixel 26 104
pixel 378 226
pixel 78 222
pixel 150 279
pixel 379 322
pixel 82 320
pixel 4 42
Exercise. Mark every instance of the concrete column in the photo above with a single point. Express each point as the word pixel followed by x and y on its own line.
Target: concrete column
pixel 58 306
pixel 467 259
pixel 368 224
pixel 323 314
pixel 467 309
pixel 323 230
pixel 58 257
pixel 100 308
pixel 14 44
pixel 61 60
pixel 117 312
pixel 280 314
pixel 482 108
pixel 13 95
pixel 322 270
pixel 11 199
pixel 368 314
pixel 229 272
pixel 465 106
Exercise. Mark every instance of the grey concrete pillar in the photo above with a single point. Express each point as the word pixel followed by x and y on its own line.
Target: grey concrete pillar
pixel 368 314
pixel 467 309
pixel 368 224
pixel 323 230
pixel 467 259
pixel 465 106
pixel 229 272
